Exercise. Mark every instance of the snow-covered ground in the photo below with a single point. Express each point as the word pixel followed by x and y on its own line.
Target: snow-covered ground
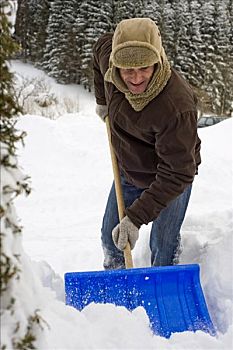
pixel 69 164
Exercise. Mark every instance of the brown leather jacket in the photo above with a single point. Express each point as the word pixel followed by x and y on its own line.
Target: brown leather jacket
pixel 158 148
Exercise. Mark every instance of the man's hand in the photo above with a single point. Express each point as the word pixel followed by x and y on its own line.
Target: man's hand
pixel 125 232
pixel 102 111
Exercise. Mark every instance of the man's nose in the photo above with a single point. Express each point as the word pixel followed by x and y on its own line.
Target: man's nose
pixel 137 77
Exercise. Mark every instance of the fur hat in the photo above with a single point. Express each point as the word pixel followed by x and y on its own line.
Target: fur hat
pixel 136 43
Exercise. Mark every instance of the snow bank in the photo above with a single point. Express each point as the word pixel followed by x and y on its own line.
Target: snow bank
pixel 69 164
pixel 71 174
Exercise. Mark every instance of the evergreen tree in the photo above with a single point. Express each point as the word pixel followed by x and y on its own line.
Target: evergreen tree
pixel 139 7
pixel 60 41
pixel 195 54
pixel 166 24
pixel 124 9
pixel 189 58
pixel 39 15
pixel 22 25
pixel 222 83
pixel 52 50
pixel 179 43
pixel 227 103
pixel 20 320
pixel 152 10
pixel 207 32
pixel 74 49
pixel 94 19
pixel 30 28
pixel 70 56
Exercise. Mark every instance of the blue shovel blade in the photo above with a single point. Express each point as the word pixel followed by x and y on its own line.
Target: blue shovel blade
pixel 171 296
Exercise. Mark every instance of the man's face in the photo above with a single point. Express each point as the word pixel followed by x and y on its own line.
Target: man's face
pixel 137 79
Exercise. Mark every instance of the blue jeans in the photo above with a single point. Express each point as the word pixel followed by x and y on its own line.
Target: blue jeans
pixel 165 231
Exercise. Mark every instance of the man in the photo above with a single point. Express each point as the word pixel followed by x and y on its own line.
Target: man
pixel 153 118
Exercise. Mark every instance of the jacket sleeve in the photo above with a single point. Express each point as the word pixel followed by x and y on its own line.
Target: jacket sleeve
pixel 101 53
pixel 176 145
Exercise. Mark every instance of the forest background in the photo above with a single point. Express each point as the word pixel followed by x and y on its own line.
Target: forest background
pixel 58 36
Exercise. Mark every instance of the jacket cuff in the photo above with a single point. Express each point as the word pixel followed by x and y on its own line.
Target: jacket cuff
pixel 101 111
pixel 135 220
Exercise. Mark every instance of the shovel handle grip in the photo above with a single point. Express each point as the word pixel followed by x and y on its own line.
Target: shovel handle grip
pixel 119 194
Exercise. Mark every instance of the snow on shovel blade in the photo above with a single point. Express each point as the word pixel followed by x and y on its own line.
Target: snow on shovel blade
pixel 171 296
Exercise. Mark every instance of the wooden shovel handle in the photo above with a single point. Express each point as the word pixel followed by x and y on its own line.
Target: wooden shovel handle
pixel 119 194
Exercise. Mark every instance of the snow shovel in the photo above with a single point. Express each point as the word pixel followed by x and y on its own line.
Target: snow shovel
pixel 171 296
